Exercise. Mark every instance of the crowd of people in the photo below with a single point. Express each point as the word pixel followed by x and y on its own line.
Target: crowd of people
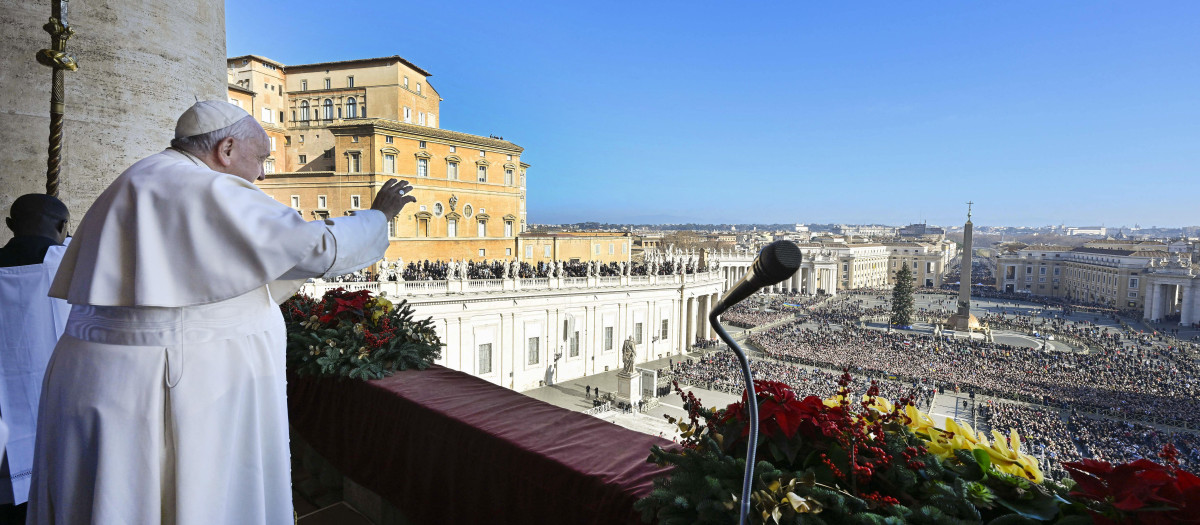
pixel 767 309
pixel 439 270
pixel 1121 441
pixel 720 371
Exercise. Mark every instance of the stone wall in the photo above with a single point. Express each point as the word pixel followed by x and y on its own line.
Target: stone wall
pixel 141 64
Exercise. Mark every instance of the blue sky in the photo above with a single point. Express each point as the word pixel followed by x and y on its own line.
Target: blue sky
pixel 754 112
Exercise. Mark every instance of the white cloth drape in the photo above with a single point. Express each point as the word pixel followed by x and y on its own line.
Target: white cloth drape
pixel 30 325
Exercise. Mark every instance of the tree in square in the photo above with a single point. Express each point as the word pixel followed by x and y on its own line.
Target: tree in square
pixel 902 298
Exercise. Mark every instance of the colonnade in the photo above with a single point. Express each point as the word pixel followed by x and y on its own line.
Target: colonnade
pixel 1168 297
pixel 807 280
pixel 695 325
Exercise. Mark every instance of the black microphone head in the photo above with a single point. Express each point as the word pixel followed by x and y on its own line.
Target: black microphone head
pixel 777 261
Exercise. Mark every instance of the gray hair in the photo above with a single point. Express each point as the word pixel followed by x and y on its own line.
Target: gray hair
pixel 200 145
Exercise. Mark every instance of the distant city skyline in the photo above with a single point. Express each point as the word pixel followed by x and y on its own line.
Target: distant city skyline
pixel 1077 114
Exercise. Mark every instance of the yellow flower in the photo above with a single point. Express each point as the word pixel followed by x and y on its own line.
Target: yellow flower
pixel 378 307
pixel 881 404
pixel 1007 457
pixel 1004 452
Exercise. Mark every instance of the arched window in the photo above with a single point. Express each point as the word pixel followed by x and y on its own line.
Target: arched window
pixel 328 109
pixel 351 108
pixel 303 110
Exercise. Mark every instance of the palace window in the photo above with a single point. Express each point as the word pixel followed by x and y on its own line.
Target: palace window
pixel 437 209
pixel 355 201
pixel 608 338
pixel 451 228
pixel 485 359
pixel 422 167
pixel 272 143
pixel 327 83
pixel 637 333
pixel 574 344
pixel 468 211
pixel 421 118
pixel 508 177
pixel 303 85
pixel 269 166
pixel 482 252
pixel 508 228
pixel 389 139
pixel 303 159
pixel 418 88
pixel 350 81
pixel 295 201
pixel 321 202
pixel 355 163
pixel 663 331
pixel 421 144
pixel 328 109
pixel 351 107
pixel 389 163
pixel 528 252
pixel 508 252
pixel 407 114
pixel 452 170
pixel 267 115
pixel 534 351
pixel 547 250
pixel 1133 282
pixel 482 173
pixel 482 228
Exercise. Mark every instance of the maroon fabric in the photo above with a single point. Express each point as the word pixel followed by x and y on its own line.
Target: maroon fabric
pixel 449 448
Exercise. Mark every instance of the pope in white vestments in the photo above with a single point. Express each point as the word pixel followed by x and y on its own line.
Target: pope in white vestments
pixel 164 401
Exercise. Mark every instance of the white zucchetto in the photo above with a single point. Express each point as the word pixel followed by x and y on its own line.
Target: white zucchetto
pixel 208 116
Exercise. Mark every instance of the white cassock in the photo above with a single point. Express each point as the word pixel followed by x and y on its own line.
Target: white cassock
pixel 164 401
pixel 30 324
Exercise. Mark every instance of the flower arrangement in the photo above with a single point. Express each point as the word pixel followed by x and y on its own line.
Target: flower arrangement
pixel 356 335
pixel 840 461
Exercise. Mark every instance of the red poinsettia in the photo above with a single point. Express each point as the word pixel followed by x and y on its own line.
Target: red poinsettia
pixel 1141 491
pixel 340 304
pixel 779 411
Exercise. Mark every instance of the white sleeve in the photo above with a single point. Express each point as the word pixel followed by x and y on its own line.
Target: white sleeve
pixel 349 243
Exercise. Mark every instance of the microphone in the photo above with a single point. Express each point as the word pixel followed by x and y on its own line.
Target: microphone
pixel 776 262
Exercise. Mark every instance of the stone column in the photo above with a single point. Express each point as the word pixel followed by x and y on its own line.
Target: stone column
pixel 1156 301
pixel 141 64
pixel 703 306
pixel 712 331
pixel 690 333
pixel 1148 302
pixel 1187 304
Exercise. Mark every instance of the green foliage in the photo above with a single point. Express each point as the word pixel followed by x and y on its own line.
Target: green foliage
pixel 902 298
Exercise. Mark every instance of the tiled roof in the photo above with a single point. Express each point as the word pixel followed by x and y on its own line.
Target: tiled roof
pixel 399 58
pixel 427 131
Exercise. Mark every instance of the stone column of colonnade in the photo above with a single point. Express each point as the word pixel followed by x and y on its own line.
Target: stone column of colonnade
pixel 1187 306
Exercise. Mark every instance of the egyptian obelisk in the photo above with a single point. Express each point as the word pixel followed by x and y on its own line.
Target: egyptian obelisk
pixel 962 318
